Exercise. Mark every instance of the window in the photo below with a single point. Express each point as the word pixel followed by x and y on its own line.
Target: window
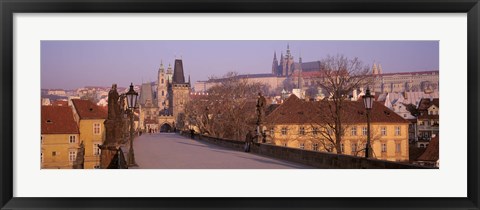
pixel 96 150
pixel 284 144
pixel 302 146
pixel 398 147
pixel 315 131
pixel 301 131
pixel 163 93
pixel 272 131
pixel 284 131
pixel 162 83
pixel 96 128
pixel 342 148
pixel 72 139
pixel 354 131
pixel 315 147
pixel 384 131
pixel 384 147
pixel 54 153
pixel 41 157
pixel 354 148
pixel 72 155
pixel 397 131
pixel 364 131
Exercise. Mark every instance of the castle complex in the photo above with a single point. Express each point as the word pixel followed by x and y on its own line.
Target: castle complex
pixel 162 103
pixel 305 75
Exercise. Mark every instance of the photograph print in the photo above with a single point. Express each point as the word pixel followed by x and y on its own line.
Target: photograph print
pixel 240 104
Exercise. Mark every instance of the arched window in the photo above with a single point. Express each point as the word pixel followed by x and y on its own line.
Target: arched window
pixel 162 81
pixel 162 90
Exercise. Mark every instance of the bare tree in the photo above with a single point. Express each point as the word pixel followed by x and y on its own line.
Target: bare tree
pixel 339 76
pixel 228 111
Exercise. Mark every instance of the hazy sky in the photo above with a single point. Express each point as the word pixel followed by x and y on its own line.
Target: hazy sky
pixel 74 64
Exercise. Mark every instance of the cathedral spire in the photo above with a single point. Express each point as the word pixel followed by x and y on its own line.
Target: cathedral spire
pixel 288 50
pixel 275 64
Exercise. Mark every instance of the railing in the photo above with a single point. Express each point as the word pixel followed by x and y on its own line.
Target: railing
pixel 308 157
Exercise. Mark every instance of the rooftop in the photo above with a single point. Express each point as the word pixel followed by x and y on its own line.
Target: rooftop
pixel 297 111
pixel 58 120
pixel 432 151
pixel 89 110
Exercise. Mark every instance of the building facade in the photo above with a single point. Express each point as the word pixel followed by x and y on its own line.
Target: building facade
pixel 61 147
pixel 90 119
pixel 428 124
pixel 301 124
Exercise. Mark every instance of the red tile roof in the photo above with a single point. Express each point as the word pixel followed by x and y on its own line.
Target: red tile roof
pixel 58 120
pixel 432 151
pixel 297 111
pixel 88 110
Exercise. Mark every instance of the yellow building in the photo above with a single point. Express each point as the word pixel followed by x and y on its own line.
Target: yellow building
pixel 60 139
pixel 305 125
pixel 90 118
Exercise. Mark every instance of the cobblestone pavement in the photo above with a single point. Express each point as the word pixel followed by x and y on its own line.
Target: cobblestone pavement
pixel 172 151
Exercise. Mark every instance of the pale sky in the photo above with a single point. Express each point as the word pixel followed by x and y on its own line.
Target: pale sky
pixel 75 64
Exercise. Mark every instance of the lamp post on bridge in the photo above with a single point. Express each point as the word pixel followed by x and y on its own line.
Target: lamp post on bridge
pixel 132 103
pixel 368 103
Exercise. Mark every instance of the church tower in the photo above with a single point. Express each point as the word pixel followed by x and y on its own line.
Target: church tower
pixel 374 69
pixel 380 71
pixel 169 73
pixel 286 63
pixel 300 76
pixel 275 64
pixel 161 87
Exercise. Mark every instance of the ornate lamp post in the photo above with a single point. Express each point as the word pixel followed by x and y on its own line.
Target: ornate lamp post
pixel 368 102
pixel 132 103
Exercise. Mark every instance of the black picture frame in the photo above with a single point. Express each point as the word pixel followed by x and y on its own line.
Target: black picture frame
pixel 10 7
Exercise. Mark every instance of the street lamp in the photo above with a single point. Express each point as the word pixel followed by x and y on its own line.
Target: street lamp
pixel 368 103
pixel 132 104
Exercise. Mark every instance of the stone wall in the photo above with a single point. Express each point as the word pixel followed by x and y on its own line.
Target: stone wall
pixel 307 157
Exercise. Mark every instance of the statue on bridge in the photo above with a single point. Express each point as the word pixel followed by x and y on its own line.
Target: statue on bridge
pixel 110 149
pixel 261 103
